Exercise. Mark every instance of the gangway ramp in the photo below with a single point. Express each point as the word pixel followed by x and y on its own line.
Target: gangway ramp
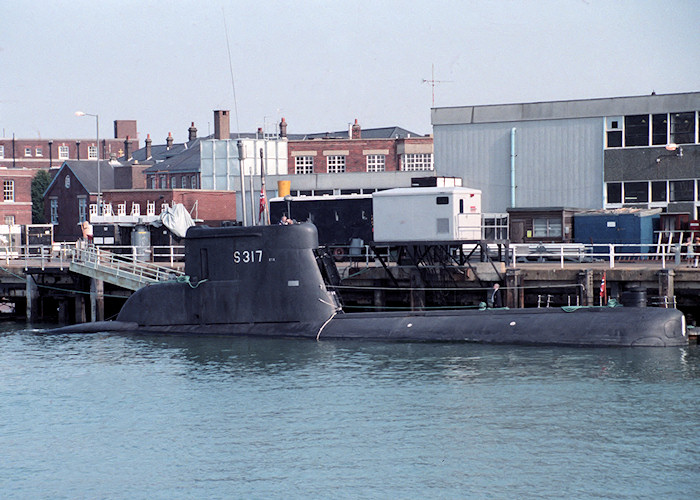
pixel 123 271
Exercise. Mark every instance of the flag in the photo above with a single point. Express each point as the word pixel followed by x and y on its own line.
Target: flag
pixel 602 286
pixel 262 203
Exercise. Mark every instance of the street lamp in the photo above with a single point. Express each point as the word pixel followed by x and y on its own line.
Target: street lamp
pixel 97 133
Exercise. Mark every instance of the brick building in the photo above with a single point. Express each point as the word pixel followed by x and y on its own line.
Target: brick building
pixel 51 153
pixel 16 205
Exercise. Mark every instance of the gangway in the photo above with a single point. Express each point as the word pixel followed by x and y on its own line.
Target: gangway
pixel 120 270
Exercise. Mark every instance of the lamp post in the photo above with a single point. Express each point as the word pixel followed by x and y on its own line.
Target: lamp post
pixel 97 134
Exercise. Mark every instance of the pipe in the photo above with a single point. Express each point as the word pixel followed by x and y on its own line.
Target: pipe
pixel 241 157
pixel 512 167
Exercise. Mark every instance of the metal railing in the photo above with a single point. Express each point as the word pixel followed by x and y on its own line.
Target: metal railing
pixel 123 266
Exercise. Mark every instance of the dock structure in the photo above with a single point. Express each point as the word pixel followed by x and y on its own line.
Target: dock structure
pixel 85 284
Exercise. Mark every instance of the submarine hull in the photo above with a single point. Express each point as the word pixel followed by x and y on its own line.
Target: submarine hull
pixel 270 281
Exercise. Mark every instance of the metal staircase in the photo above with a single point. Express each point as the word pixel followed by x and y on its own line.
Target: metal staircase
pixel 120 270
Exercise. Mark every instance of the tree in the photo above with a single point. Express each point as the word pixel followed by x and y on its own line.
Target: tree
pixel 40 182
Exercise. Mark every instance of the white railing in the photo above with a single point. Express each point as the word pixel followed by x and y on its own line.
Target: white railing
pixel 610 254
pixel 123 266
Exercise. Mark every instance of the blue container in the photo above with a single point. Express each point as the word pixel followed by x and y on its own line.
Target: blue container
pixel 624 226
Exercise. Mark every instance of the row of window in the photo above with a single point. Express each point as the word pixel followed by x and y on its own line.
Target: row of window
pixel 176 181
pixel 652 129
pixel 335 164
pixel 38 152
pixel 633 192
pixel 8 190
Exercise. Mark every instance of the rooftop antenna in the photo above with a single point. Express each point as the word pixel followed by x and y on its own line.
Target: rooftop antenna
pixel 433 82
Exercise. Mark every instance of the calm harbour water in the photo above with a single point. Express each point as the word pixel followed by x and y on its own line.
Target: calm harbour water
pixel 119 416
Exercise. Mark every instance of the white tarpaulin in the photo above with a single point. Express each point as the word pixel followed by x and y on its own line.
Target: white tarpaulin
pixel 177 219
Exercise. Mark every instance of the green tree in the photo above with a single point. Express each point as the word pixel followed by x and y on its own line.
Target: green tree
pixel 40 182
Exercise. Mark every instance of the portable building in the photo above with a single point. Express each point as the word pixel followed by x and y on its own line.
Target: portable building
pixel 427 214
pixel 626 226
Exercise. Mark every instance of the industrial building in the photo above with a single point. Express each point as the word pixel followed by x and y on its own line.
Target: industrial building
pixel 640 152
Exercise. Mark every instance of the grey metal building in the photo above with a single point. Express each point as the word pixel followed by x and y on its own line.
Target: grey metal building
pixel 639 151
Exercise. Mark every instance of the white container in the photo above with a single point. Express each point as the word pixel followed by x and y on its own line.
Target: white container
pixel 430 214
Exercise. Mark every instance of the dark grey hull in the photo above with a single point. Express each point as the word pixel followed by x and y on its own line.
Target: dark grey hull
pixel 622 327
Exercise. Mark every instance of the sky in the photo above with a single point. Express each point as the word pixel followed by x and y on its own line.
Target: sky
pixel 323 64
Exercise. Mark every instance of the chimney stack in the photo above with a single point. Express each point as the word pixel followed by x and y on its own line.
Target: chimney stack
pixel 169 141
pixel 283 128
pixel 222 126
pixel 356 130
pixel 193 132
pixel 126 148
pixel 149 148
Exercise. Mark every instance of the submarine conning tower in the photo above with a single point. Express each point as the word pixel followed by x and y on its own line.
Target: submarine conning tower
pixel 240 276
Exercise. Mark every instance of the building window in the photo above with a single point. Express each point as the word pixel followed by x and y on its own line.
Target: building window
pixel 614 192
pixel 683 128
pixel 336 164
pixel 54 211
pixel 613 132
pixel 8 190
pixel 38 151
pixel 2 151
pixel 417 161
pixel 92 152
pixel 193 182
pixel 304 165
pixel 62 152
pixel 163 182
pixel 27 151
pixel 546 228
pixel 681 190
pixel 82 209
pixel 184 182
pixel 376 163
pixel 637 130
pixel 636 192
pixel 659 129
pixel 10 220
pixel 658 192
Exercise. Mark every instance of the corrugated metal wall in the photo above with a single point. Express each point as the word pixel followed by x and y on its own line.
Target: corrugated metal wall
pixel 559 162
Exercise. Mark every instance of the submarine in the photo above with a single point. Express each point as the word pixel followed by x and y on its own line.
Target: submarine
pixel 274 281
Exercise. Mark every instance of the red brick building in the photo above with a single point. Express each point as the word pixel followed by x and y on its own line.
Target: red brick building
pixel 16 201
pixel 48 153
pixel 390 149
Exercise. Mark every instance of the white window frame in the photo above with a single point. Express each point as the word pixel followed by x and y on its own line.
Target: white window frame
pixel 82 208
pixel 92 152
pixel 38 151
pixel 54 210
pixel 28 152
pixel 2 151
pixel 415 162
pixel 335 164
pixel 376 163
pixel 63 152
pixel 303 165
pixel 8 191
pixel 10 220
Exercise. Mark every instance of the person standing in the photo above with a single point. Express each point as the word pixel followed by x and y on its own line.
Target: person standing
pixel 495 300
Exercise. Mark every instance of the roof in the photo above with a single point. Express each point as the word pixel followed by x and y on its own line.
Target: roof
pixel 179 158
pixel 86 173
pixel 555 110
pixel 367 133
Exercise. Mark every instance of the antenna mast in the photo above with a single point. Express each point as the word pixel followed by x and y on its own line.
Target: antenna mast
pixel 433 82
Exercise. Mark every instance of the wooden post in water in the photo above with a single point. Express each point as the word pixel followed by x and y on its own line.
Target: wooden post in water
pixel 515 295
pixel 32 295
pixel 97 299
pixel 666 285
pixel 585 279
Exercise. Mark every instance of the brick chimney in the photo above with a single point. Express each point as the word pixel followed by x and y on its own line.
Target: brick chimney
pixel 222 126
pixel 283 128
pixel 169 141
pixel 126 148
pixel 149 149
pixel 356 130
pixel 193 132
